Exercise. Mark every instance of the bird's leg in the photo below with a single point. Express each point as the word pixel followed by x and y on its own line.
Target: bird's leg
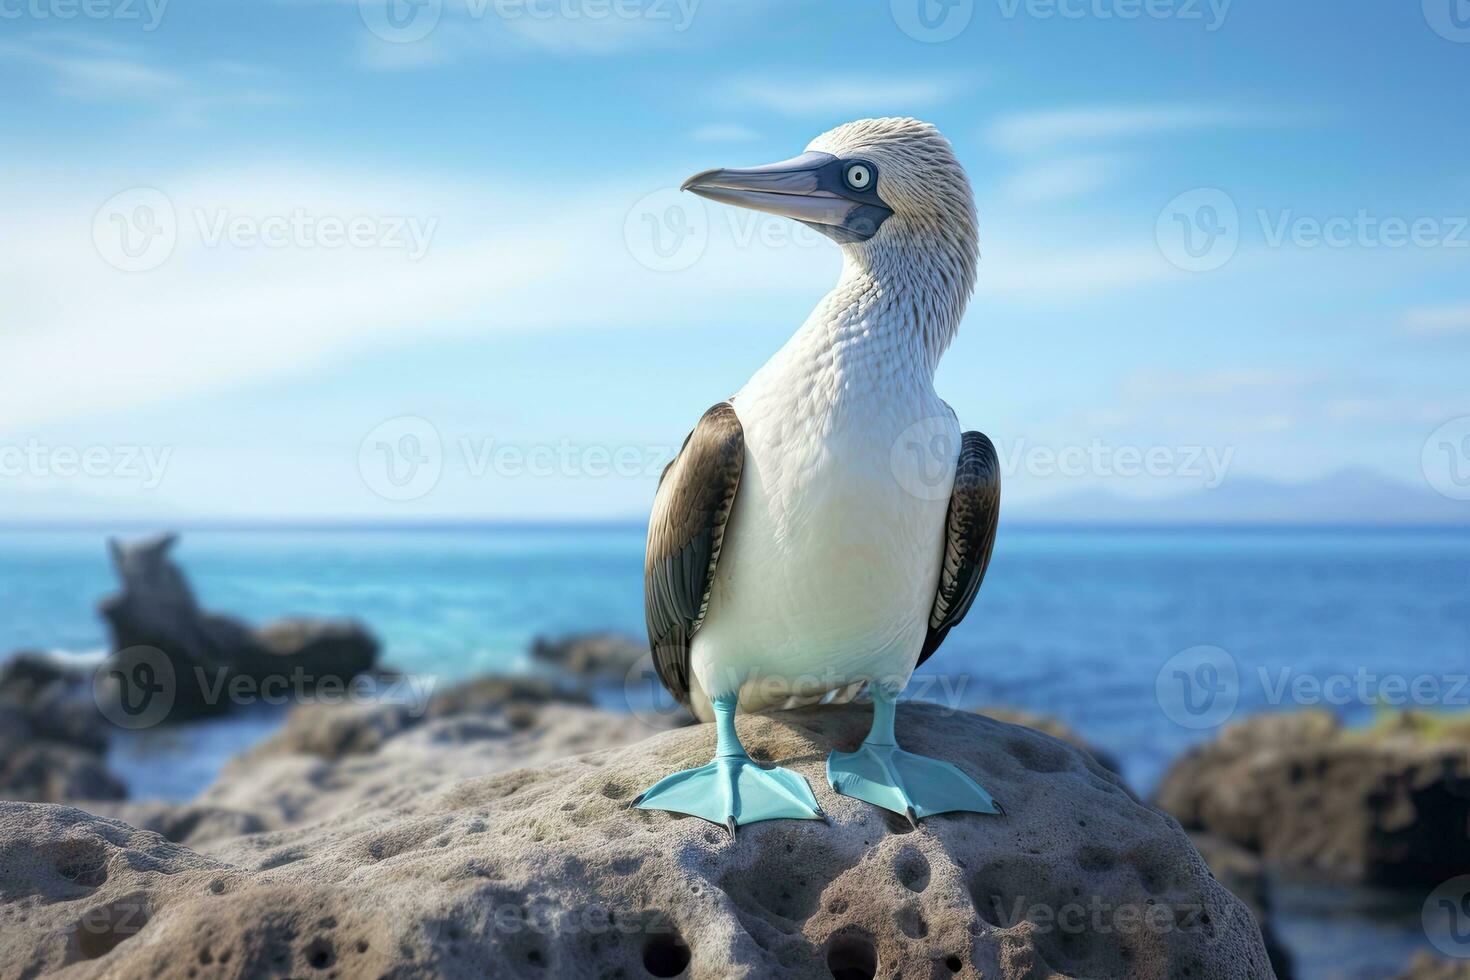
pixel 732 790
pixel 915 786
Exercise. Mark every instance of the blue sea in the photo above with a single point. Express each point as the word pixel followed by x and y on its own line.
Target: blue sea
pixel 1079 624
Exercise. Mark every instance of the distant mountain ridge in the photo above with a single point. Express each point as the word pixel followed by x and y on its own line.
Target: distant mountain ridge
pixel 1348 496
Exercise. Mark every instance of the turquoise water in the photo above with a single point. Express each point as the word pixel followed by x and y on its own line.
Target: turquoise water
pixel 1073 623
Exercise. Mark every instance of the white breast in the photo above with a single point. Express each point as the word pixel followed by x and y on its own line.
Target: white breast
pixel 833 550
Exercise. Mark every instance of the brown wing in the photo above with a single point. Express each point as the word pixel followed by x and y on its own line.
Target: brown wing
pixel 685 534
pixel 969 536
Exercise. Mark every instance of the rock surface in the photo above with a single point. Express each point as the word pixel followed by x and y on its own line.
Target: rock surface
pixel 430 857
pixel 1384 807
pixel 1245 875
pixel 590 656
pixel 52 739
pixel 164 642
pixel 1428 967
pixel 1056 729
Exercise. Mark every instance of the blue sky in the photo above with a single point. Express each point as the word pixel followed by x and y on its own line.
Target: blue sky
pixel 501 179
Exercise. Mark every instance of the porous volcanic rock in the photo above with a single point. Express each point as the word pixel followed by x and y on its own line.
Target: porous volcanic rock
pixel 548 872
pixel 1388 806
pixel 1245 875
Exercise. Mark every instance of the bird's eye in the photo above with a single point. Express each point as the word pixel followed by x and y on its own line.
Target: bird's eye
pixel 859 176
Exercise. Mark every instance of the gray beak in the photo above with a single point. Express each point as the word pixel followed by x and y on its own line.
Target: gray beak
pixel 809 188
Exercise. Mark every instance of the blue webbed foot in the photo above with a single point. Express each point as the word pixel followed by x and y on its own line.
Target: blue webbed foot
pixel 912 785
pixel 733 791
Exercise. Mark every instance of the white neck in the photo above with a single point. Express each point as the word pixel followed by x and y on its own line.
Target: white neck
pixel 891 316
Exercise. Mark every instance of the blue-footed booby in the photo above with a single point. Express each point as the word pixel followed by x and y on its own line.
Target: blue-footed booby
pixel 827 526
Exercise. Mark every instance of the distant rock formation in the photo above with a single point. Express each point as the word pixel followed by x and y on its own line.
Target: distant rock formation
pixel 1387 806
pixel 442 852
pixel 195 661
pixel 52 740
pixel 599 656
pixel 1427 967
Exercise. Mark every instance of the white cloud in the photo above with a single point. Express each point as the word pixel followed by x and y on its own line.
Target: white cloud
pixel 859 95
pixel 1040 276
pixel 83 339
pixel 467 29
pixel 1047 129
pixel 87 71
pixel 724 133
pixel 1438 320
pixel 105 71
pixel 1061 179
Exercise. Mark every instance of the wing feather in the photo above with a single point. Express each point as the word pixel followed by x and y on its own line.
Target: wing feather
pixel 686 533
pixel 969 537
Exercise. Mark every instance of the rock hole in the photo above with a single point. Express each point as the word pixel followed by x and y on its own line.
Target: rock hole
pixel 852 957
pixel 1095 859
pixel 953 963
pixel 320 955
pixel 911 922
pixel 665 955
pixel 912 870
pixel 104 928
pixel 990 906
pixel 897 823
pixel 83 862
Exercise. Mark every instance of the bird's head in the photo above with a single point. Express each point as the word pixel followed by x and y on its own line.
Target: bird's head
pixel 873 186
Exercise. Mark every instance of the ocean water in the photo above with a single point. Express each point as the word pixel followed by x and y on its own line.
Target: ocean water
pixel 1078 624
